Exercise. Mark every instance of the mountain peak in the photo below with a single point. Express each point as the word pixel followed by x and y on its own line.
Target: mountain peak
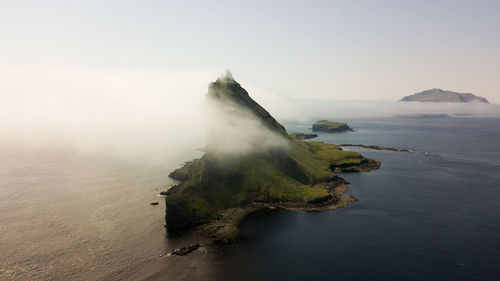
pixel 228 76
pixel 226 91
pixel 250 163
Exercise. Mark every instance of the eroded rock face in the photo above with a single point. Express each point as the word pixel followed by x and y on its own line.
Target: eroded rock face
pixel 180 216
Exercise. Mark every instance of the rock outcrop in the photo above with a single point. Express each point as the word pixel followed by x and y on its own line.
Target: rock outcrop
pixel 331 127
pixel 302 136
pixel 252 163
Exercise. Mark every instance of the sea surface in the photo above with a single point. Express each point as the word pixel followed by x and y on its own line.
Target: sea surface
pixel 433 214
pixel 65 215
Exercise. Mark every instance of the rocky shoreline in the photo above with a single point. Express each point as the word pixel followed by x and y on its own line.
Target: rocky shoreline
pixel 375 147
pixel 249 172
pixel 302 136
pixel 192 254
pixel 225 230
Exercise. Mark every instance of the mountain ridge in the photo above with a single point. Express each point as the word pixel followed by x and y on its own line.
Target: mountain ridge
pixel 271 169
pixel 439 95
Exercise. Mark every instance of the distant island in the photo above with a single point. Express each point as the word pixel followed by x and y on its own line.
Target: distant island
pixel 438 95
pixel 331 127
pixel 251 163
pixel 426 115
pixel 302 136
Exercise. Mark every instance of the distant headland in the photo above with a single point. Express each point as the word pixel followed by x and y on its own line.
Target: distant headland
pixel 438 95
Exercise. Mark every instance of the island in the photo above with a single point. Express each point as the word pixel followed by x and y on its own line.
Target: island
pixel 438 95
pixel 423 115
pixel 302 136
pixel 331 127
pixel 251 163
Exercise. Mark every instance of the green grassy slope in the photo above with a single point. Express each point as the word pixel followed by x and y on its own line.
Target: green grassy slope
pixel 216 182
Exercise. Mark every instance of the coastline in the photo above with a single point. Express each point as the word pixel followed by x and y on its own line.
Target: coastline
pixel 215 238
pixel 226 229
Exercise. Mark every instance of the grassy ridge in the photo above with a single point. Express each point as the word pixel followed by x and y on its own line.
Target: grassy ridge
pixel 217 182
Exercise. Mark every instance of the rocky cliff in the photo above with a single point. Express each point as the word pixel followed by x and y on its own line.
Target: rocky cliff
pixel 250 163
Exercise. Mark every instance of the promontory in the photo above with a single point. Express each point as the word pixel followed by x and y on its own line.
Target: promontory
pixel 252 163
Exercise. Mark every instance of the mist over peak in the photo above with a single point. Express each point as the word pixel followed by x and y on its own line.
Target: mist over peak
pixel 236 123
pixel 227 77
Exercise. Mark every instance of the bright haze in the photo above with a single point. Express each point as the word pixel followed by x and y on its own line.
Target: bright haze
pixel 348 50
pixel 132 75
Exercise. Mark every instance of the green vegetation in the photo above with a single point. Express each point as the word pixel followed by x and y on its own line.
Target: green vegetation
pixel 331 127
pixel 226 90
pixel 330 124
pixel 217 181
pixel 302 136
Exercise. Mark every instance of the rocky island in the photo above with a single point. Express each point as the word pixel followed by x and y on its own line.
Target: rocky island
pixel 438 95
pixel 252 163
pixel 302 136
pixel 331 127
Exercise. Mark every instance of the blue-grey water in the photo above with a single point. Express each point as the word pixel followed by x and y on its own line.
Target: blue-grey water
pixel 69 215
pixel 432 216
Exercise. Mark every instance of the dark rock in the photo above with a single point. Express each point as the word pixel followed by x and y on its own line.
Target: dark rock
pixel 153 203
pixel 331 127
pixel 364 165
pixel 183 216
pixel 185 250
pixel 183 173
pixel 325 199
pixel 376 147
pixel 171 190
pixel 301 136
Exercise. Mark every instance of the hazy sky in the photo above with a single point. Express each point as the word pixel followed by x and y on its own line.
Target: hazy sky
pixel 350 50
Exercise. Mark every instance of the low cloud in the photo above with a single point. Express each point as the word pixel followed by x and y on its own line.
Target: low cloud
pixel 157 114
pixel 129 113
pixel 305 110
pixel 234 130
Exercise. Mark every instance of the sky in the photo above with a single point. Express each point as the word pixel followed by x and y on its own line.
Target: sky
pixel 333 50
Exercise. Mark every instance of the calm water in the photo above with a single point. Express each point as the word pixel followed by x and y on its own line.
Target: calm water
pixel 68 216
pixel 420 217
pixel 71 216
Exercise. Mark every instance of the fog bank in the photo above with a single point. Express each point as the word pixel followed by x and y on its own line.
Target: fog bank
pixel 130 113
pixel 157 114
pixel 235 130
pixel 306 110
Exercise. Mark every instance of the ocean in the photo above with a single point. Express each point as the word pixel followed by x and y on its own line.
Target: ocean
pixel 432 214
pixel 429 215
